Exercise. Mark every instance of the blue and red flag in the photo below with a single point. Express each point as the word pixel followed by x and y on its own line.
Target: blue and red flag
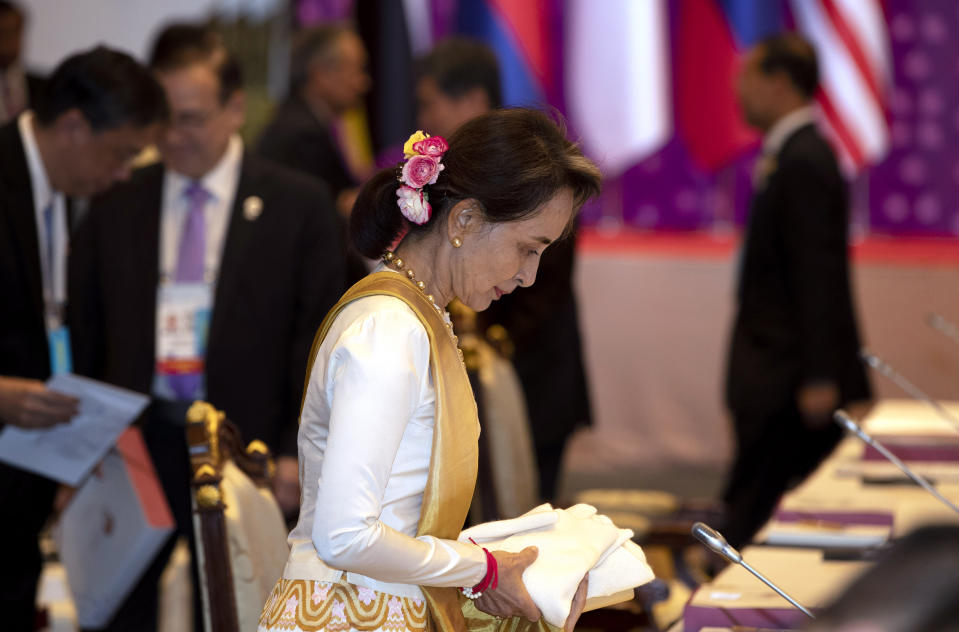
pixel 520 35
pixel 851 43
pixel 711 36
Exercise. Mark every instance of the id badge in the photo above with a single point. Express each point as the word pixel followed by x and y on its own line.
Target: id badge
pixel 183 324
pixel 61 358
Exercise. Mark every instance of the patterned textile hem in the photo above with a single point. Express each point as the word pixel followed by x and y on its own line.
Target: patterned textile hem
pixel 304 605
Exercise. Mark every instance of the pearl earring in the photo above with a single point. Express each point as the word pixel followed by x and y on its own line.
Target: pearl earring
pixel 456 241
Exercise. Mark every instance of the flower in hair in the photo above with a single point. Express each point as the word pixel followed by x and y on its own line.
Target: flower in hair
pixel 413 205
pixel 434 146
pixel 413 139
pixel 424 154
pixel 420 171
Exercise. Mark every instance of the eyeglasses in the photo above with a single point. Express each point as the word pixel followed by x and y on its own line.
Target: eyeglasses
pixel 191 120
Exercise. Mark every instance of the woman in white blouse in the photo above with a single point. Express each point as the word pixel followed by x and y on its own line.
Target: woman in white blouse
pixel 387 439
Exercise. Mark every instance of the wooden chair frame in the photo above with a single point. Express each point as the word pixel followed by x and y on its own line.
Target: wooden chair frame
pixel 213 440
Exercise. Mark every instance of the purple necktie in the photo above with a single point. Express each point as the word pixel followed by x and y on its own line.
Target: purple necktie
pixel 189 269
pixel 190 260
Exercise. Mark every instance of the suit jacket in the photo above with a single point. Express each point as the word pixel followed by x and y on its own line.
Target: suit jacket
pixel 543 324
pixel 279 274
pixel 23 337
pixel 298 139
pixel 36 88
pixel 796 320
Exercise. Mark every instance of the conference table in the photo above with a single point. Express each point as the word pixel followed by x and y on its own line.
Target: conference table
pixel 825 531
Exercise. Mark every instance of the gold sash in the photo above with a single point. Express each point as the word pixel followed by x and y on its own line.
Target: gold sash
pixel 453 460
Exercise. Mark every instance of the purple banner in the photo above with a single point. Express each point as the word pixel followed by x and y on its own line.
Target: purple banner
pixel 912 191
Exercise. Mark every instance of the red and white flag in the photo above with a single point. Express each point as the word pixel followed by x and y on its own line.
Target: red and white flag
pixel 852 44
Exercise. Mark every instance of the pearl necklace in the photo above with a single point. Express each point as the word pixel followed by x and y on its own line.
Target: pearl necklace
pixel 398 264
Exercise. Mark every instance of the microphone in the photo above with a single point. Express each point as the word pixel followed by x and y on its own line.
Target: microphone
pixel 943 326
pixel 852 427
pixel 884 369
pixel 715 542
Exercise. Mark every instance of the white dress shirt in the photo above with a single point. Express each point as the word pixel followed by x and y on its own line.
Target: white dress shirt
pixel 365 438
pixel 775 138
pixel 53 271
pixel 220 183
pixel 785 127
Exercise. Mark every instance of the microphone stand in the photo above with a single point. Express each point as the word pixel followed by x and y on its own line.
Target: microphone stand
pixel 851 426
pixel 943 326
pixel 885 370
pixel 715 542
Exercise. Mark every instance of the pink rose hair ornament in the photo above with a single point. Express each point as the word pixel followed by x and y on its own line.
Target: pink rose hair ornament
pixel 424 154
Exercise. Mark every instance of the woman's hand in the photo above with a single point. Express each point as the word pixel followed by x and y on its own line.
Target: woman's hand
pixel 579 602
pixel 510 598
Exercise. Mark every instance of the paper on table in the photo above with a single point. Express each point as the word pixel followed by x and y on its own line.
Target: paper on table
pixel 66 453
pixel 777 533
pixel 906 416
pixel 879 471
pixel 802 573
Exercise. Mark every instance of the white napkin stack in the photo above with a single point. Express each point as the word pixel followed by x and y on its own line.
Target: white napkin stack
pixel 572 542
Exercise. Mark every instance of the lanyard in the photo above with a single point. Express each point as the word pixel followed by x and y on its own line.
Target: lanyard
pixel 53 245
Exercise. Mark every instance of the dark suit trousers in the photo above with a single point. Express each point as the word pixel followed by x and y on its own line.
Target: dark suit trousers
pixel 774 452
pixel 165 436
pixel 549 461
pixel 26 501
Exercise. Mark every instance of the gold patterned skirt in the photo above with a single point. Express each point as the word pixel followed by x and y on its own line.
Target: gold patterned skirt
pixel 304 605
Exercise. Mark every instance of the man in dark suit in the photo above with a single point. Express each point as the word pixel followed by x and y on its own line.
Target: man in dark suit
pixel 328 77
pixel 19 89
pixel 102 109
pixel 794 353
pixel 216 235
pixel 458 80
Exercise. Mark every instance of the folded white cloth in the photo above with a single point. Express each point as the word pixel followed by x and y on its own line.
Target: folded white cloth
pixel 572 542
pixel 536 518
pixel 625 568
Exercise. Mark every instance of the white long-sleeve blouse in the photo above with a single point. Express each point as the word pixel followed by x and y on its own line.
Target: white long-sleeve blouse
pixel 364 443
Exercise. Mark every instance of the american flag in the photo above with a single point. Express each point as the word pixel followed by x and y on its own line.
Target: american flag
pixel 852 43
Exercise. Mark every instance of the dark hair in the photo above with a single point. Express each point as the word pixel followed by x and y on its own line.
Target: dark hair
pixel 460 64
pixel 913 587
pixel 511 161
pixel 110 88
pixel 791 54
pixel 314 45
pixel 9 7
pixel 181 45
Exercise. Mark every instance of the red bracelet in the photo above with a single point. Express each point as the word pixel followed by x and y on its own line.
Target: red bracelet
pixel 489 581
